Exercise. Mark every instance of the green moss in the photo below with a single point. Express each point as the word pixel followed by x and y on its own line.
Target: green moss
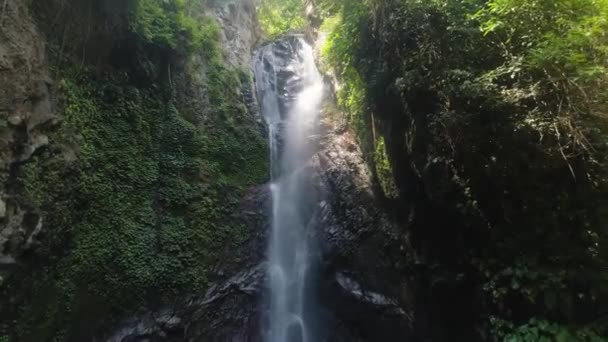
pixel 234 144
pixel 147 206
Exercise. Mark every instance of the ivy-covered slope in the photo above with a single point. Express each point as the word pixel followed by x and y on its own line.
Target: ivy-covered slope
pixel 139 188
pixel 485 122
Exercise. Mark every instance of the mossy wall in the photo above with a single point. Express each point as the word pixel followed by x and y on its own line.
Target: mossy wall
pixel 137 198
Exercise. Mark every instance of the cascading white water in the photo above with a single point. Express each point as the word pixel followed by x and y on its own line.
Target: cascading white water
pixel 290 90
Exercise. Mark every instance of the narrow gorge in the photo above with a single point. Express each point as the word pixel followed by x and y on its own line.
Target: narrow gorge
pixel 303 170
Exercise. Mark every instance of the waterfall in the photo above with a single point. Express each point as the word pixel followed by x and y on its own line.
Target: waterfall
pixel 290 90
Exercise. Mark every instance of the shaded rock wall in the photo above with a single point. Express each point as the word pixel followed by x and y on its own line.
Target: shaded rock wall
pixel 26 113
pixel 364 273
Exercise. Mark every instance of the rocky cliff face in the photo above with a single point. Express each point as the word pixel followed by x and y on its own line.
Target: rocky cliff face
pixel 26 113
pixel 112 136
pixel 365 286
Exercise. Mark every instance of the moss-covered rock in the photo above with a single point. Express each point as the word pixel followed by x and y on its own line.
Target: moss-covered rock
pixel 137 200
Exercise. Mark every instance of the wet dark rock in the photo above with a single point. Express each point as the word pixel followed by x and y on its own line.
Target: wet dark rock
pixel 162 326
pixel 231 311
pixel 287 80
pixel 362 286
pixel 359 293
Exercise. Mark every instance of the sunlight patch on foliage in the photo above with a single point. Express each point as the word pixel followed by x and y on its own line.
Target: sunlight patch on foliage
pixel 278 17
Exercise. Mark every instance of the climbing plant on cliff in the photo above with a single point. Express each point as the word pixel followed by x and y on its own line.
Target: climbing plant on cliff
pixel 493 114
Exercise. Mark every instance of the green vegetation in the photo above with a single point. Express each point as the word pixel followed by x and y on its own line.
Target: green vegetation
pixel 147 204
pixel 280 16
pixel 493 114
pixel 167 24
pixel 546 331
pixel 384 170
pixel 139 200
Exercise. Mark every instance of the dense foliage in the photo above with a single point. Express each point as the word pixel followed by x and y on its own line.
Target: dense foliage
pixel 280 16
pixel 492 113
pixel 172 24
pixel 138 198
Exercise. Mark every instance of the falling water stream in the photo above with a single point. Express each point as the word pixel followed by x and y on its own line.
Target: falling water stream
pixel 290 90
